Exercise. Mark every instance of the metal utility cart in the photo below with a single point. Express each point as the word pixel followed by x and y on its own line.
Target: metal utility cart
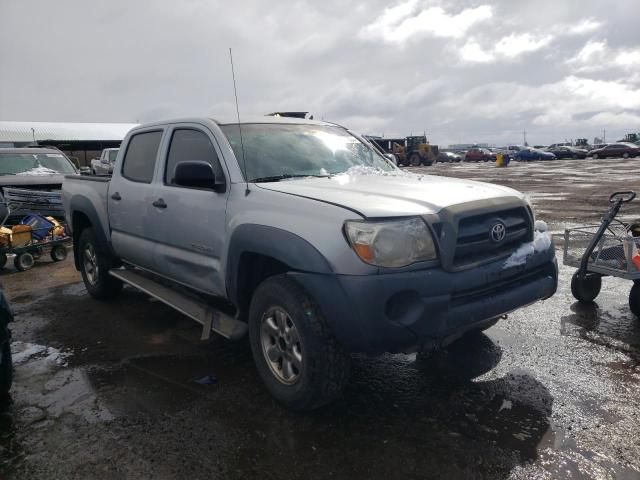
pixel 608 249
pixel 27 246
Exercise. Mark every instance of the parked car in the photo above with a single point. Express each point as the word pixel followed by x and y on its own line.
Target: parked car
pixel 528 154
pixel 568 152
pixel 307 239
pixel 104 164
pixel 624 150
pixel 449 157
pixel 478 155
pixel 6 365
pixel 31 179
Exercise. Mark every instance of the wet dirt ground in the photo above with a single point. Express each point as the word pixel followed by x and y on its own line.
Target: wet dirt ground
pixel 109 390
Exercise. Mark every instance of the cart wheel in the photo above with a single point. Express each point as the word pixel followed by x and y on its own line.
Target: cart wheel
pixel 3 260
pixel 24 261
pixel 586 289
pixel 634 299
pixel 58 253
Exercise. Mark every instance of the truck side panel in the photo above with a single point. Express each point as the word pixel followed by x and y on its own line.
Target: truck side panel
pixel 85 204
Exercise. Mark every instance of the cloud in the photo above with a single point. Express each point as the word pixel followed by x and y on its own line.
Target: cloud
pixel 462 70
pixel 587 25
pixel 596 55
pixel 507 48
pixel 473 52
pixel 405 21
pixel 517 44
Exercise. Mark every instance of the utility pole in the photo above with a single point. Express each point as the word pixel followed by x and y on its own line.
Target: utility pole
pixel 524 137
pixel 604 135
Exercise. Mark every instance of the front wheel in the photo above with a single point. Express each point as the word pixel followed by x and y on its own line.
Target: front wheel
pixel 300 362
pixel 95 264
pixel 586 289
pixel 415 160
pixel 595 156
pixel 625 155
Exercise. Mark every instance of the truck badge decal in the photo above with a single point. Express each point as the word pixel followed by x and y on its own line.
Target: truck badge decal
pixel 498 232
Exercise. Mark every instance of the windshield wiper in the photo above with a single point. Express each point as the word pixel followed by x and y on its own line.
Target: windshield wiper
pixel 284 176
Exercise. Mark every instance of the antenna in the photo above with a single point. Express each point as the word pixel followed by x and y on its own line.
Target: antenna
pixel 235 91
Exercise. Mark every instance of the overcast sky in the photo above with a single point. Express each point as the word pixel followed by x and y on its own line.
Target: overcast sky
pixel 462 71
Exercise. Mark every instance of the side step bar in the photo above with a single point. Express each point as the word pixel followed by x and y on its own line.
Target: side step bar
pixel 203 313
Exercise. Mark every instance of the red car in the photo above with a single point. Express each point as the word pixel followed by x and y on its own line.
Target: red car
pixel 621 149
pixel 478 155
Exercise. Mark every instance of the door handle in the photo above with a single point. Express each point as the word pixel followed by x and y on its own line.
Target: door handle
pixel 159 203
pixel 116 196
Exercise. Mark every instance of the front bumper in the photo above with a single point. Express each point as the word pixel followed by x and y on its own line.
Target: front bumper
pixel 425 309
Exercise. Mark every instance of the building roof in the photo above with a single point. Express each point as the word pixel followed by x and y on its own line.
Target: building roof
pixel 22 131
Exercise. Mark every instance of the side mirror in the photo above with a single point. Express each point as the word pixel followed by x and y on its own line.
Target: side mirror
pixel 392 157
pixel 104 160
pixel 85 171
pixel 198 174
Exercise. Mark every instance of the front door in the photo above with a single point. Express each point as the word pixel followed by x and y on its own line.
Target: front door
pixel 188 226
pixel 130 199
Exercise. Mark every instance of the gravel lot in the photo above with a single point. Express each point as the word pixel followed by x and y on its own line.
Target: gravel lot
pixel 113 395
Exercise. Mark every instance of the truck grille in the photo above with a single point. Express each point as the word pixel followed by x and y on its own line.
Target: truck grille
pixel 475 244
pixel 24 202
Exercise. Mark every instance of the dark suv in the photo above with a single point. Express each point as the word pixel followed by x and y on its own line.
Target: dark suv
pixel 624 150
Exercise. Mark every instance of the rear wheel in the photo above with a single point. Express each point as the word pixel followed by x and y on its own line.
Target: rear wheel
pixel 6 368
pixel 625 155
pixel 95 264
pixel 415 160
pixel 595 156
pixel 23 261
pixel 586 289
pixel 300 362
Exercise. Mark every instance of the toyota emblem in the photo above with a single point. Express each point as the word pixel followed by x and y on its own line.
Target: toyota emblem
pixel 498 232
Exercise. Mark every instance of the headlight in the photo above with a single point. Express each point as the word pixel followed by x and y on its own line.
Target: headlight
pixel 394 243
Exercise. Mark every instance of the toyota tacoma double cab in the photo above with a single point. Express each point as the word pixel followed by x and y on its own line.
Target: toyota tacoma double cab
pixel 303 236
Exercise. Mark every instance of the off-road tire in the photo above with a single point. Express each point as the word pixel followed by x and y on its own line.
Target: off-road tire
pixel 23 261
pixel 415 160
pixel 105 286
pixel 634 300
pixel 586 289
pixel 6 368
pixel 326 365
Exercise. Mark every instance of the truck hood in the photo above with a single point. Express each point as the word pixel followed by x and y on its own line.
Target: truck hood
pixel 394 194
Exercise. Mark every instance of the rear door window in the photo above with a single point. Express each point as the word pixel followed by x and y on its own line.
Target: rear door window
pixel 190 145
pixel 140 159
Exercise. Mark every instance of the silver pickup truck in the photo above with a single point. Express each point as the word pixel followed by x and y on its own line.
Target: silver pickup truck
pixel 303 235
pixel 104 164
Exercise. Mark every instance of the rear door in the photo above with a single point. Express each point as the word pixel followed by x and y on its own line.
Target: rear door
pixel 131 196
pixel 188 225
